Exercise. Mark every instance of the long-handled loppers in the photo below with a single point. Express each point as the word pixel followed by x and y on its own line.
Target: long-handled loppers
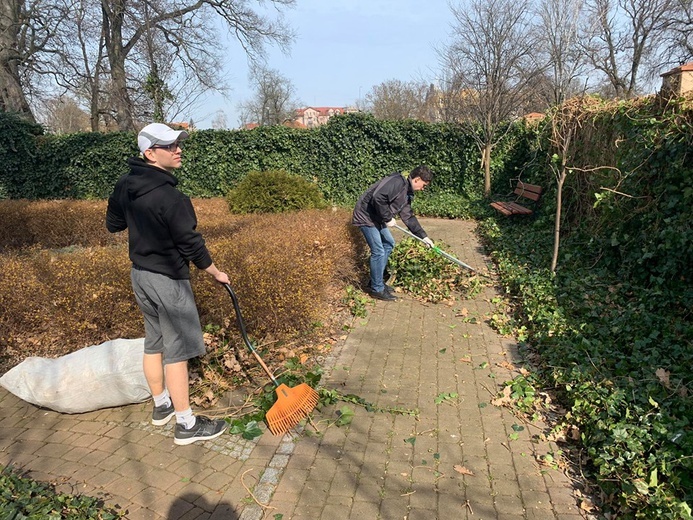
pixel 293 404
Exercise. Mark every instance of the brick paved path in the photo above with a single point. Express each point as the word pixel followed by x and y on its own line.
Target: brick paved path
pixel 460 459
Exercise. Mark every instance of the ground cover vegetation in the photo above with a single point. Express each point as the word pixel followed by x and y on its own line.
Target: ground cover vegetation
pixel 606 329
pixel 23 498
pixel 610 330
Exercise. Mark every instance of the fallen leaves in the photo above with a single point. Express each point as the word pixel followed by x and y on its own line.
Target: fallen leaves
pixel 504 398
pixel 663 376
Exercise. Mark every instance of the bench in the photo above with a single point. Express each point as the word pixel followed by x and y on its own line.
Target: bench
pixel 530 192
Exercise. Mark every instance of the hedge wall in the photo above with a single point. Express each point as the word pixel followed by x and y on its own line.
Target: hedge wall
pixel 343 157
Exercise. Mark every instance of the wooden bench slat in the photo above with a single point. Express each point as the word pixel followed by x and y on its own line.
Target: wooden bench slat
pixel 524 192
pixel 522 189
pixel 516 209
pixel 529 187
pixel 500 206
pixel 511 208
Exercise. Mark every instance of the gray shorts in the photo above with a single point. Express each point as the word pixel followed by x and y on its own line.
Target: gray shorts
pixel 171 322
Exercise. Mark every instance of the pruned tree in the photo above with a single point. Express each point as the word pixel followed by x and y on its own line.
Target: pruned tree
pixel 567 138
pixel 489 66
pixel 273 101
pixel 396 100
pixel 620 38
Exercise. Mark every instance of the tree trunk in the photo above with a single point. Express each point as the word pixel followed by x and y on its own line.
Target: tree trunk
pixel 12 98
pixel 557 223
pixel 113 16
pixel 486 159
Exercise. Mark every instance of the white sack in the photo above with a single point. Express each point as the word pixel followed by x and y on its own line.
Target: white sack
pixel 100 376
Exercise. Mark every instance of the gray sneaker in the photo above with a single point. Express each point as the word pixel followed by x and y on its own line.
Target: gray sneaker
pixel 384 295
pixel 203 430
pixel 162 414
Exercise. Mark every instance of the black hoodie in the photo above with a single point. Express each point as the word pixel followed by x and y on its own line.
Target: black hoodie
pixel 384 200
pixel 160 219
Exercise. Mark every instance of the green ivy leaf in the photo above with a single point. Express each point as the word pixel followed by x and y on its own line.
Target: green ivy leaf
pixel 346 415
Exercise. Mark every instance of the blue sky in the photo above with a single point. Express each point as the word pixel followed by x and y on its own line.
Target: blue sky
pixel 342 49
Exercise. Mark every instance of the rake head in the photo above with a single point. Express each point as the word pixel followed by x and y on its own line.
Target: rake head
pixel 293 405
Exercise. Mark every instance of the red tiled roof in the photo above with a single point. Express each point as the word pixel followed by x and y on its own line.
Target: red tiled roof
pixel 683 68
pixel 323 111
pixel 293 124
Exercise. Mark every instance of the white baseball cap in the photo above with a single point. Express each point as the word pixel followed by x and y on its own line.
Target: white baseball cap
pixel 158 134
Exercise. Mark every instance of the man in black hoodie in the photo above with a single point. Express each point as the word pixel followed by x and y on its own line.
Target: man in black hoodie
pixel 374 214
pixel 163 240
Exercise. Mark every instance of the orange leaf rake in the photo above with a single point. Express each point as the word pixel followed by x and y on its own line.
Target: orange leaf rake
pixel 293 403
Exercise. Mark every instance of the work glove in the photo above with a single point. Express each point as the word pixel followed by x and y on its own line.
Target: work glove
pixel 390 223
pixel 428 242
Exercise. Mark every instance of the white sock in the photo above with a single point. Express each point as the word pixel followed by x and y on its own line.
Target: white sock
pixel 186 418
pixel 163 399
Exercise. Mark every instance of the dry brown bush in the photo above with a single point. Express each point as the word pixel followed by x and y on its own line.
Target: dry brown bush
pixel 53 224
pixel 288 271
pixel 283 267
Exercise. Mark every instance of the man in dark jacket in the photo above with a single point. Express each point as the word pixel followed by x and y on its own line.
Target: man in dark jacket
pixel 162 242
pixel 375 212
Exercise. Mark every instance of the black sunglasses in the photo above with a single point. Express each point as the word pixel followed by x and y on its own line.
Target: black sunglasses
pixel 170 147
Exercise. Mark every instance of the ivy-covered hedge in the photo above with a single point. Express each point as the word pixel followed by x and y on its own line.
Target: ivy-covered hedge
pixel 343 158
pixel 613 326
pixel 18 151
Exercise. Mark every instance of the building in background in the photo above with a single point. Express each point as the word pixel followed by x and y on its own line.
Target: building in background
pixel 310 117
pixel 678 81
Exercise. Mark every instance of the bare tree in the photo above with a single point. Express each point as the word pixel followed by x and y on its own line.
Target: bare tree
pixel 559 36
pixel 395 99
pixel 127 59
pixel 25 32
pixel 184 25
pixel 78 63
pixel 273 101
pixel 678 44
pixel 219 121
pixel 620 36
pixel 63 115
pixel 490 63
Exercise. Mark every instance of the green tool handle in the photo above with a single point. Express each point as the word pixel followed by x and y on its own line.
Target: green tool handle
pixel 437 250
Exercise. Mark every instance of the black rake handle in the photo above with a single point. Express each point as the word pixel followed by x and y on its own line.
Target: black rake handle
pixel 241 327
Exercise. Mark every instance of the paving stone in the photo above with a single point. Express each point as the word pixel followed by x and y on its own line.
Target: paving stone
pixel 402 355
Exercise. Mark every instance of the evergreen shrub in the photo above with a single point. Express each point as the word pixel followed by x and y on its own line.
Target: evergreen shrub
pixel 18 149
pixel 274 192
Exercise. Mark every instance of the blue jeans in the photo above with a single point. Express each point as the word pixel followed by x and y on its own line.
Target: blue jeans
pixel 381 244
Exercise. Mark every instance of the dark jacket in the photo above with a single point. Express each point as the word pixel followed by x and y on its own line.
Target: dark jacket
pixel 160 219
pixel 383 200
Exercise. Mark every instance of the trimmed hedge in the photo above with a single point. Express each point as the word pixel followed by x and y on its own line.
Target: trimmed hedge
pixel 342 158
